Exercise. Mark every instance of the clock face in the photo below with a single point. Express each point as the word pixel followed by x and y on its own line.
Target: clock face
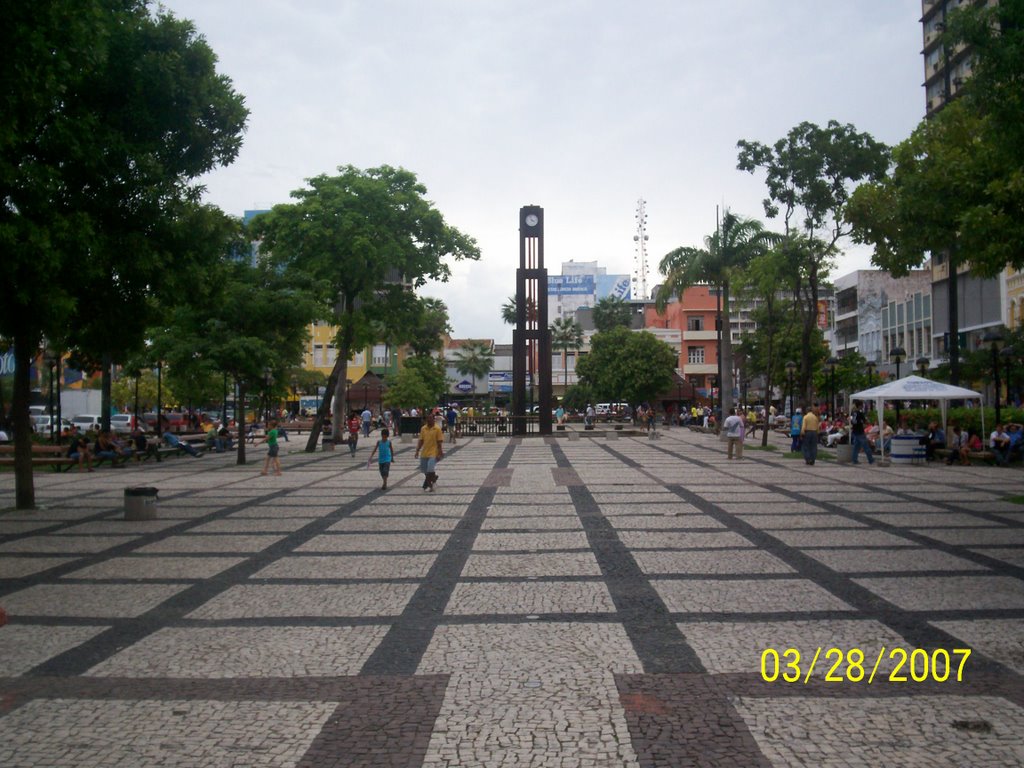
pixel 531 220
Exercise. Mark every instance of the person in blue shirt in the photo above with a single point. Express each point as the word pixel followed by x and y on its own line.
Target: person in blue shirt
pixel 172 440
pixel 385 455
pixel 795 425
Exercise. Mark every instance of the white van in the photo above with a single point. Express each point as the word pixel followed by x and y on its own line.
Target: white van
pixel 87 421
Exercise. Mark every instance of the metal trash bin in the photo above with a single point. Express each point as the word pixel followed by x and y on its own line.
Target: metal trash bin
pixel 844 453
pixel 140 503
pixel 328 443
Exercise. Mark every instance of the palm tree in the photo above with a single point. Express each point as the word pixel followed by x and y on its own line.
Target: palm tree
pixel 612 312
pixel 566 334
pixel 730 249
pixel 474 358
pixel 508 310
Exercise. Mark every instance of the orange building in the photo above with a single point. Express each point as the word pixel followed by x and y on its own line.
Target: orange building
pixel 694 317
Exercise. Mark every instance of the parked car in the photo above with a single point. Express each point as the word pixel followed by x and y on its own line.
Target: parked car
pixel 41 424
pixel 122 423
pixel 87 421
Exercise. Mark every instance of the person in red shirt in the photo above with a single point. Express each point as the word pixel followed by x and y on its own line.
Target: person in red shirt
pixel 354 423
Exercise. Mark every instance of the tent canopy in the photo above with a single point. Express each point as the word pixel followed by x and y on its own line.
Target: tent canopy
pixel 917 388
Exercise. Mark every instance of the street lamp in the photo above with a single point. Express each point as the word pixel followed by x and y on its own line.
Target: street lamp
pixel 922 366
pixel 1008 354
pixel 832 363
pixel 898 355
pixel 995 341
pixel 871 365
pixel 790 367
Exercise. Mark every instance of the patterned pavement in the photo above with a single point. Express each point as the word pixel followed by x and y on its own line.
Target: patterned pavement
pixel 571 603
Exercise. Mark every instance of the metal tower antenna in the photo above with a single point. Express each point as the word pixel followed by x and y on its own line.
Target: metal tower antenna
pixel 640 266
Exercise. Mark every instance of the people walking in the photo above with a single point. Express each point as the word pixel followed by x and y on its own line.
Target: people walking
pixel 385 455
pixel 272 449
pixel 809 436
pixel 795 425
pixel 858 439
pixel 353 432
pixel 430 450
pixel 733 426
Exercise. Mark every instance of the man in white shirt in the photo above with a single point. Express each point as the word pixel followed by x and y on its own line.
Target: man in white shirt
pixel 733 427
pixel 999 444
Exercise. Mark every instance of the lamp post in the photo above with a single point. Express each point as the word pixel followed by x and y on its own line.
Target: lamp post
pixel 898 355
pixel 159 396
pixel 922 364
pixel 268 379
pixel 790 368
pixel 995 341
pixel 1008 354
pixel 832 363
pixel 871 365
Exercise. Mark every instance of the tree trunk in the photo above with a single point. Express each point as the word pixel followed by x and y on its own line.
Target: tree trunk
pixel 105 396
pixel 335 389
pixel 240 416
pixel 24 489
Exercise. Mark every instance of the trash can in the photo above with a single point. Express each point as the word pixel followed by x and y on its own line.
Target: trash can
pixel 844 453
pixel 328 443
pixel 140 503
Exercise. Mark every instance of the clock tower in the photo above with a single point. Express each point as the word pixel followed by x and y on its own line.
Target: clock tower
pixel 531 339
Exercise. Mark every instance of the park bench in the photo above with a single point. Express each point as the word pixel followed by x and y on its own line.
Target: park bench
pixel 42 455
pixel 986 456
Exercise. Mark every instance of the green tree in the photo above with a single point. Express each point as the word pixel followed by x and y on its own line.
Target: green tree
pixel 566 334
pixel 474 359
pixel 725 253
pixel 508 310
pixel 258 321
pixel 364 235
pixel 429 324
pixel 409 390
pixel 809 174
pixel 634 366
pixel 432 371
pixel 111 114
pixel 992 227
pixel 612 312
pixel 759 282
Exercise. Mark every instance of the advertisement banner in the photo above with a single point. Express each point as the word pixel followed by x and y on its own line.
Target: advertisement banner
pixel 616 286
pixel 822 314
pixel 570 285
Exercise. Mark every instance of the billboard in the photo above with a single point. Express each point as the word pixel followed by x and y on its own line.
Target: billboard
pixel 823 314
pixel 613 285
pixel 570 285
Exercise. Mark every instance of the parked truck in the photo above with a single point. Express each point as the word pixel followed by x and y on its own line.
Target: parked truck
pixel 74 402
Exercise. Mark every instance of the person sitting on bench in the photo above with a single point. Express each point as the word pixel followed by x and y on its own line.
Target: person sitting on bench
pixel 172 440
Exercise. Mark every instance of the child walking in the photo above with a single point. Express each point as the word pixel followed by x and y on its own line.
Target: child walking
pixel 384 457
pixel 272 449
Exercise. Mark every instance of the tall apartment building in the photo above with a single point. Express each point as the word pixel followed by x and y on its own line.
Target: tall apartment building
pixel 981 302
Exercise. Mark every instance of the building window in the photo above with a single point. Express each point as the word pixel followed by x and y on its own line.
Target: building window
pixel 695 355
pixel 318 356
pixel 695 323
pixel 380 355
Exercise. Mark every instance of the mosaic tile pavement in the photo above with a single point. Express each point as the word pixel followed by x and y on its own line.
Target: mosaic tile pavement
pixel 594 602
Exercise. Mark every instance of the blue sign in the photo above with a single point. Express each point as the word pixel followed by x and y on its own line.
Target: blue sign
pixel 570 285
pixel 617 286
pixel 464 386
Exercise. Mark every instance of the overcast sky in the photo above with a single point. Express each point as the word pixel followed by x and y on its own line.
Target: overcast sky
pixel 579 106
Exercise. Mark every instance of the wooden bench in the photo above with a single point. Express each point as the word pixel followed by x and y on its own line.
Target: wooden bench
pixel 42 455
pixel 986 456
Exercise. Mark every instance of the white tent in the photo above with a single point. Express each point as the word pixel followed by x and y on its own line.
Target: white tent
pixel 917 388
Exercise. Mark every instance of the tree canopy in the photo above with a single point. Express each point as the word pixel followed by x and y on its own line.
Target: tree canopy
pixel 364 235
pixel 634 366
pixel 809 175
pixel 111 112
pixel 612 312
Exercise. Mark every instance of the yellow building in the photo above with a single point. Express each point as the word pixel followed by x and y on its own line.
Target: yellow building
pixel 1014 298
